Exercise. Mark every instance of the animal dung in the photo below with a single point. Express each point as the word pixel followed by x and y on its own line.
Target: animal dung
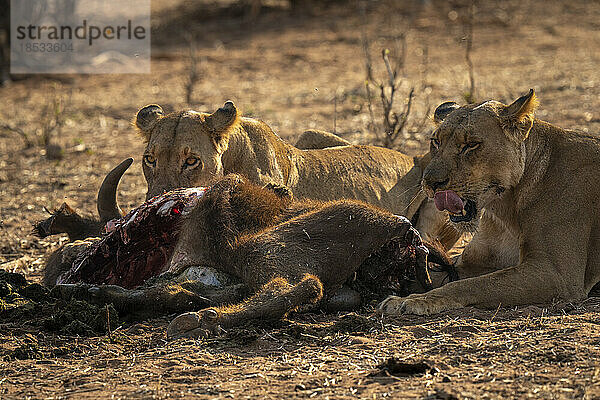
pixel 395 367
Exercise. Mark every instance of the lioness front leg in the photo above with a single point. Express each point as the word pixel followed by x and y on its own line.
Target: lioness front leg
pixel 273 301
pixel 531 282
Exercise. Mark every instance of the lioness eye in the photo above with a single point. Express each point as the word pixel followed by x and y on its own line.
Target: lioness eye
pixel 469 146
pixel 191 162
pixel 150 160
pixel 435 143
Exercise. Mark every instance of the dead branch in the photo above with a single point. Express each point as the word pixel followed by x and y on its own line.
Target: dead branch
pixel 425 68
pixel 369 72
pixel 393 124
pixel 335 113
pixel 51 122
pixel 193 74
pixel 470 96
pixel 399 121
pixel 52 119
pixel 420 127
pixel 15 129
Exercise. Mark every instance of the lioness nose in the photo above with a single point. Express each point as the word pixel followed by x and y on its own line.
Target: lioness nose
pixel 435 184
pixel 435 175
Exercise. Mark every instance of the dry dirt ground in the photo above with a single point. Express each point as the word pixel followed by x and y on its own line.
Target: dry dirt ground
pixel 287 68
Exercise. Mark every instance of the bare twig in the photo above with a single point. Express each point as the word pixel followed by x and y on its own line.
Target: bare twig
pixel 425 68
pixel 393 124
pixel 406 112
pixel 391 73
pixel 51 122
pixel 470 96
pixel 19 131
pixel 52 119
pixel 369 79
pixel 335 113
pixel 193 74
pixel 388 102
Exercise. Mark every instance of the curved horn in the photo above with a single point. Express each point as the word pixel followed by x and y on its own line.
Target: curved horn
pixel 107 195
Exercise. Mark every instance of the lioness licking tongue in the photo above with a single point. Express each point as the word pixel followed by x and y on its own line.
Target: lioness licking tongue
pixel 449 200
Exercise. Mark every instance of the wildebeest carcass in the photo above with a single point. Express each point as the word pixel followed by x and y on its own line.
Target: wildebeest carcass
pixel 238 238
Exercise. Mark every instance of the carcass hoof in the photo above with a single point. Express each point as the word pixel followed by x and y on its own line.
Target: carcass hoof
pixel 68 291
pixel 201 324
pixel 344 299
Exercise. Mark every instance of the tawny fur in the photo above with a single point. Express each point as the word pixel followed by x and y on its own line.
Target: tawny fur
pixel 537 189
pixel 188 148
pixel 314 139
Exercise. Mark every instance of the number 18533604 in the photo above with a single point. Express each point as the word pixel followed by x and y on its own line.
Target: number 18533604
pixel 46 47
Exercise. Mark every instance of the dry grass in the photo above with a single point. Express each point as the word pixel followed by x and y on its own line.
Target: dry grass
pixel 532 352
pixel 285 70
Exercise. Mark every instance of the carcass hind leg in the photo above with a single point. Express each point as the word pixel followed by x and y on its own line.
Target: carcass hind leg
pixel 159 299
pixel 273 301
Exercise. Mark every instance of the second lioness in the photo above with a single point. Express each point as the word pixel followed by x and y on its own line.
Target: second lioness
pixel 188 148
pixel 530 192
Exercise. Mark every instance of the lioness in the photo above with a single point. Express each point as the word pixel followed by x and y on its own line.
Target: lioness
pixel 188 148
pixel 316 139
pixel 529 190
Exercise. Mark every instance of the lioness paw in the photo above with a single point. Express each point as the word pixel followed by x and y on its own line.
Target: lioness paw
pixel 419 304
pixel 201 324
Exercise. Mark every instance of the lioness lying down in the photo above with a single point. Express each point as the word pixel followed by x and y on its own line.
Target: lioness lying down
pixel 529 190
pixel 190 149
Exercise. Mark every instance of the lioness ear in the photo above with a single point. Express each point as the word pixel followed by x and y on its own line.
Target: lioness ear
pixel 518 116
pixel 523 107
pixel 221 121
pixel 147 117
pixel 443 110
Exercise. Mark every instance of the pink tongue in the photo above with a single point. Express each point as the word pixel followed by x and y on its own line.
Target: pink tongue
pixel 448 200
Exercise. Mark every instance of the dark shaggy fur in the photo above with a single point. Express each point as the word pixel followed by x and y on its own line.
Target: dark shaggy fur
pixel 306 249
